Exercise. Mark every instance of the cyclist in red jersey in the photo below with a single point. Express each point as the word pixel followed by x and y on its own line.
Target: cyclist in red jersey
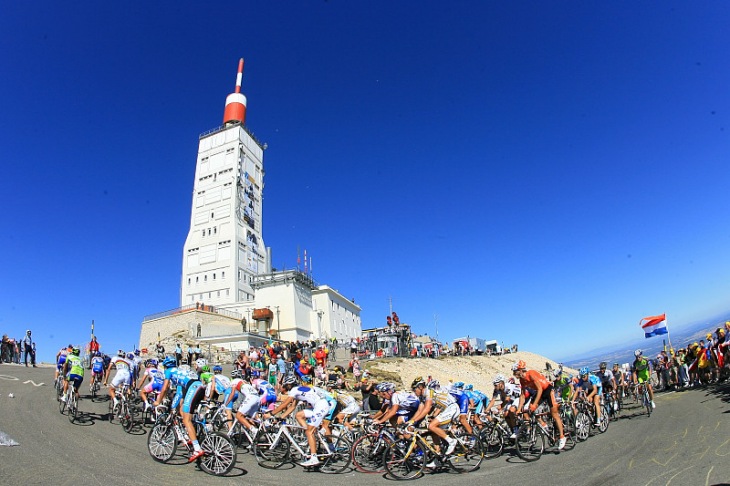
pixel 534 380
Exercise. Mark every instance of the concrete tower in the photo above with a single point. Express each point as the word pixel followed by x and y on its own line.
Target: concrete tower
pixel 224 248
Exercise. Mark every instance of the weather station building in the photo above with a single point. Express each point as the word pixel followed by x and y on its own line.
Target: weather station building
pixel 230 297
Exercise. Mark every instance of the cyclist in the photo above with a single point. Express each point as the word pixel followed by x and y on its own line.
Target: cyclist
pixel 641 371
pixel 347 405
pixel 122 375
pixel 508 394
pixel 442 407
pixel 618 377
pixel 608 383
pixel 156 381
pixel 457 391
pixel 137 361
pixel 97 369
pixel 189 391
pixel 543 391
pixel 590 384
pixel 250 404
pixel 476 403
pixel 73 370
pixel 399 407
pixel 60 360
pixel 311 419
pixel 220 386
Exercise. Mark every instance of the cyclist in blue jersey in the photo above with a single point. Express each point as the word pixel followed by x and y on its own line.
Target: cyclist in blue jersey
pixel 476 403
pixel 591 385
pixel 400 407
pixel 97 369
pixel 189 390
pixel 220 386
pixel 457 391
pixel 60 360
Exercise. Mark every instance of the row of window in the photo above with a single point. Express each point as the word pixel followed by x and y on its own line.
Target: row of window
pixel 195 298
pixel 205 278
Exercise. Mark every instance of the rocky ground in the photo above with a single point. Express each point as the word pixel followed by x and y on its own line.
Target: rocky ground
pixel 477 370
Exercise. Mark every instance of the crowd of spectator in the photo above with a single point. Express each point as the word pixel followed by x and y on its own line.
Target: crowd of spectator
pixel 13 350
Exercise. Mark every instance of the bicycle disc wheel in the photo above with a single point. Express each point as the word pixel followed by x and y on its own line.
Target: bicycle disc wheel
pixel 400 463
pixel 492 441
pixel 162 443
pixel 268 456
pixel 220 454
pixel 367 453
pixel 582 426
pixel 530 442
pixel 338 455
pixel 468 454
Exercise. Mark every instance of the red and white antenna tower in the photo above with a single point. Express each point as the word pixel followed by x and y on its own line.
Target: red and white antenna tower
pixel 235 102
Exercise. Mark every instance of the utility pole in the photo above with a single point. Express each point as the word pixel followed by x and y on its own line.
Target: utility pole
pixel 436 325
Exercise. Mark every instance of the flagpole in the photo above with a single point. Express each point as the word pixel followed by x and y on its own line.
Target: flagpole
pixel 671 349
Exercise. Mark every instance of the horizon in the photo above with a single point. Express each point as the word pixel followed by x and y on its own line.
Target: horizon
pixel 528 174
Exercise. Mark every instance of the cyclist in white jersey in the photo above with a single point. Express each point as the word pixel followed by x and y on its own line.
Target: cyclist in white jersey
pixel 61 359
pixel 443 409
pixel 123 375
pixel 347 405
pixel 309 418
pixel 508 394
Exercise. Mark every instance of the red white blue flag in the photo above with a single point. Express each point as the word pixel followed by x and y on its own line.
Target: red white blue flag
pixel 654 325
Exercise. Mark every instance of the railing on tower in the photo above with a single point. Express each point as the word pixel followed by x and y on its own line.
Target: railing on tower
pixel 200 307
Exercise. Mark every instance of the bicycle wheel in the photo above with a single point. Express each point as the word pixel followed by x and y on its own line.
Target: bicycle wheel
pixel 605 419
pixel 492 441
pixel 403 461
pixel 62 405
pixel 582 426
pixel 220 454
pixel 268 454
pixel 162 443
pixel 647 402
pixel 367 453
pixel 113 412
pixel 530 442
pixel 125 417
pixel 59 389
pixel 468 454
pixel 93 390
pixel 337 455
pixel 73 408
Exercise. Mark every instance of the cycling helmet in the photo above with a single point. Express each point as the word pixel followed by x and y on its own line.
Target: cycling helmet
pixel 75 351
pixel 511 380
pixel 386 387
pixel 616 364
pixel 169 362
pixel 638 353
pixel 289 381
pixel 136 352
pixel 130 356
pixel 120 353
pixel 200 362
pixel 584 371
pixel 469 387
pixel 603 365
pixel 459 385
pixel 98 353
pixel 205 369
pixel 519 365
pixel 217 369
pixel 498 379
pixel 151 362
pixel 417 381
pixel 433 384
pixel 236 374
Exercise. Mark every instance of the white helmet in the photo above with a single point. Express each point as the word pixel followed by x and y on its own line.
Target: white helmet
pixel 499 378
pixel 200 362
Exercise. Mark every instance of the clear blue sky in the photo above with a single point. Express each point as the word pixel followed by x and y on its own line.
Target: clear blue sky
pixel 545 173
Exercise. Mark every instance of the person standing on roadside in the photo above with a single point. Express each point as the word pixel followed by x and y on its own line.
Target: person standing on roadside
pixel 28 348
pixel 178 354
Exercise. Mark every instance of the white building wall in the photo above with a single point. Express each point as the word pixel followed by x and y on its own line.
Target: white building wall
pixel 336 315
pixel 224 248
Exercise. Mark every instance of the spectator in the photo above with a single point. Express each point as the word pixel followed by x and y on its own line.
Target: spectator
pixel 94 346
pixel 190 354
pixel 178 353
pixel 160 350
pixel 28 348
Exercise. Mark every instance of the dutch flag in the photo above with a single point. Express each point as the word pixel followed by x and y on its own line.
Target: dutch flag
pixel 654 325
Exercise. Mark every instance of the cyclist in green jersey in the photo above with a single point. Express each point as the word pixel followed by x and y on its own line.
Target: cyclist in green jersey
pixel 641 372
pixel 73 370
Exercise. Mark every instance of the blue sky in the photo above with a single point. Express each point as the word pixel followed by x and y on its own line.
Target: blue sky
pixel 539 173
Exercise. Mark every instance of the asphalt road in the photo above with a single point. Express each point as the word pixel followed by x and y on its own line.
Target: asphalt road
pixel 685 441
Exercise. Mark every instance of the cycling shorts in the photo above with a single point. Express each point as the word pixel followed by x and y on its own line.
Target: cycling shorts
pixel 194 395
pixel 316 415
pixel 228 394
pixel 250 406
pixel 76 380
pixel 333 410
pixel 449 414
pixel 121 377
pixel 351 409
pixel 155 386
